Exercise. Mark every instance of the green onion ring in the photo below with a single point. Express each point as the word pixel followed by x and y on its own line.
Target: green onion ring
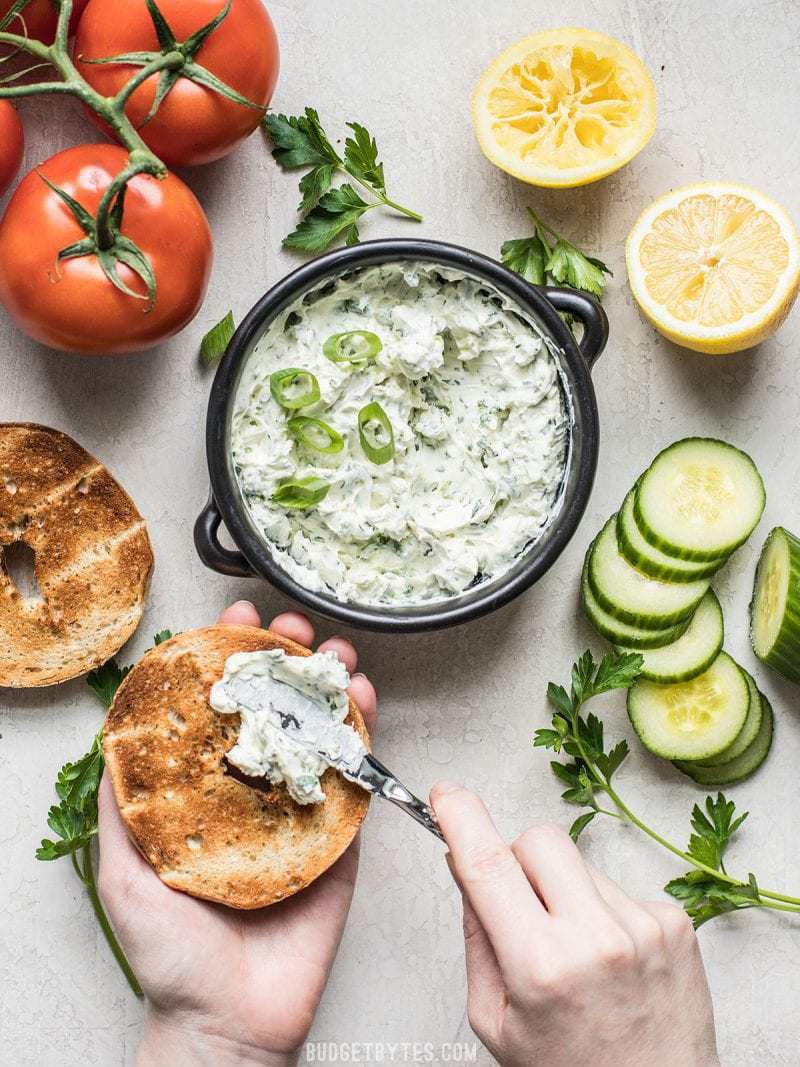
pixel 308 432
pixel 375 433
pixel 355 346
pixel 281 382
pixel 300 492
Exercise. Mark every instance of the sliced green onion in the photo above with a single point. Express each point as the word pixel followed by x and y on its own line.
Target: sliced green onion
pixel 216 340
pixel 294 388
pixel 300 492
pixel 376 433
pixel 355 346
pixel 315 434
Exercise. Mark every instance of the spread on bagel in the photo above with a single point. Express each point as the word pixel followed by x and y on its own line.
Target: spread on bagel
pixel 279 699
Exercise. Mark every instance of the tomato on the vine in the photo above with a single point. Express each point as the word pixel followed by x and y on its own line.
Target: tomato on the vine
pixel 39 18
pixel 193 123
pixel 71 304
pixel 12 144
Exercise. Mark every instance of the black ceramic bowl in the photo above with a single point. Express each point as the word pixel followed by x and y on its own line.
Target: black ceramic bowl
pixel 542 304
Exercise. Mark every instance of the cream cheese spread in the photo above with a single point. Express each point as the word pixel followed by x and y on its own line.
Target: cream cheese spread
pixel 481 431
pixel 277 695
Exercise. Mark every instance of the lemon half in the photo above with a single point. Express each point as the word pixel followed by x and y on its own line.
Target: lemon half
pixel 715 267
pixel 564 107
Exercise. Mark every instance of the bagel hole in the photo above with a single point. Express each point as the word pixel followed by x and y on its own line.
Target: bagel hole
pixel 260 783
pixel 20 564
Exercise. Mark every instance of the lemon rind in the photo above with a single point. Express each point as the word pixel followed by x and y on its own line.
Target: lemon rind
pixel 750 329
pixel 547 177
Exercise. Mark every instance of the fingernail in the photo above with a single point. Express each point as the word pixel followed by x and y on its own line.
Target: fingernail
pixel 244 604
pixel 358 674
pixel 441 788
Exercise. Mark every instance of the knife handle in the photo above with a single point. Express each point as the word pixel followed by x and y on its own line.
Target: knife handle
pixel 379 780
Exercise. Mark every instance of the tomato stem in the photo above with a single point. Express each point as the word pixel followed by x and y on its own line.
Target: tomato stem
pixel 138 163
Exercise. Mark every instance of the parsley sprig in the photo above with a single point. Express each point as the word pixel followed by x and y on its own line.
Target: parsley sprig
pixel 328 212
pixel 707 890
pixel 545 258
pixel 74 819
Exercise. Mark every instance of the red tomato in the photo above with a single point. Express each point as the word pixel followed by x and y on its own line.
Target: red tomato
pixel 193 124
pixel 40 18
pixel 12 144
pixel 71 304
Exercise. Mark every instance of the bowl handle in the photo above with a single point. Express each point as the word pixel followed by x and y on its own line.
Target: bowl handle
pixel 211 552
pixel 589 313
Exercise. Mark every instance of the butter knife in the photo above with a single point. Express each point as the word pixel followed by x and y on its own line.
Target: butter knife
pixel 310 726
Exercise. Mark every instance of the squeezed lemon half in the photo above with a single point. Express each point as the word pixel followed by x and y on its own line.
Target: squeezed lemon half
pixel 715 267
pixel 564 107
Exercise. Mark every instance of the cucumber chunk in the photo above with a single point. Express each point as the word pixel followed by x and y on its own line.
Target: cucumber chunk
pixel 622 633
pixel 631 596
pixel 775 607
pixel 652 561
pixel 691 720
pixel 700 499
pixel 693 652
pixel 747 734
pixel 745 764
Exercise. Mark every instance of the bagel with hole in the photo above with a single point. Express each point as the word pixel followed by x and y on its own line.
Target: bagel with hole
pixel 92 558
pixel 234 840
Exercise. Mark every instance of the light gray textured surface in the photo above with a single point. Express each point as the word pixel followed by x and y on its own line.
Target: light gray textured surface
pixel 461 704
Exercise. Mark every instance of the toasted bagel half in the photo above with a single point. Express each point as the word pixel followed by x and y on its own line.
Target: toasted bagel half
pixel 204 831
pixel 92 558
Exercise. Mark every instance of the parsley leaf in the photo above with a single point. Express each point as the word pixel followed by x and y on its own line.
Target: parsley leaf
pixel 580 824
pixel 337 212
pixel 329 213
pixel 713 831
pixel 361 157
pixel 74 820
pixel 216 340
pixel 567 265
pixel 617 671
pixel 77 783
pixel 559 263
pixel 161 637
pixel 300 140
pixel 106 680
pixel 592 768
pixel 705 897
pixel 527 256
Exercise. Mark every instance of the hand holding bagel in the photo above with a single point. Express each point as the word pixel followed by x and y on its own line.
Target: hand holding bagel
pixel 225 986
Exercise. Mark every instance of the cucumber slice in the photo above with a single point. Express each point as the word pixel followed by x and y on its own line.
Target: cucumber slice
pixel 653 562
pixel 622 633
pixel 692 653
pixel 700 499
pixel 631 596
pixel 747 734
pixel 691 720
pixel 775 607
pixel 745 764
